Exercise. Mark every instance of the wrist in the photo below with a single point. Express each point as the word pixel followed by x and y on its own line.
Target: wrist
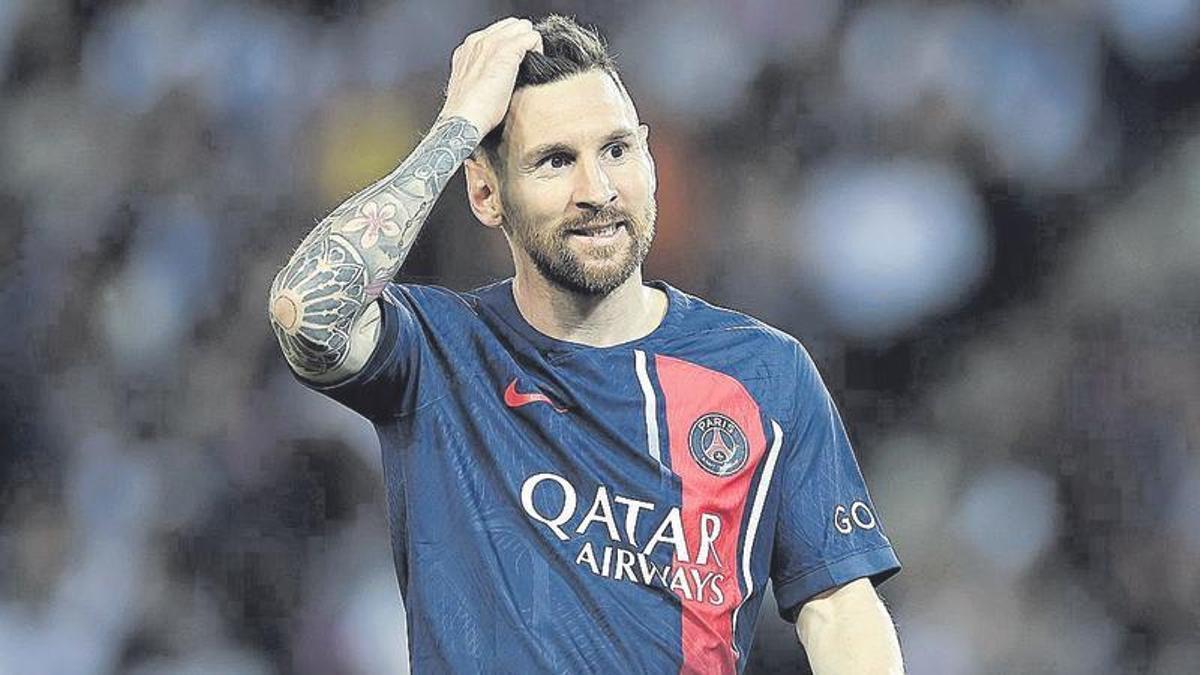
pixel 470 117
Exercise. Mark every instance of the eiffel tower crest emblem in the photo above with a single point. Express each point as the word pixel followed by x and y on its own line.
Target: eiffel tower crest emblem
pixel 718 444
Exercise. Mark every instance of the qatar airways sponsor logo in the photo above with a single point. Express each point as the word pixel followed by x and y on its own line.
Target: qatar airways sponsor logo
pixel 692 574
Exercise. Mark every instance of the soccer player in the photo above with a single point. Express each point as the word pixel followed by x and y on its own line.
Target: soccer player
pixel 584 471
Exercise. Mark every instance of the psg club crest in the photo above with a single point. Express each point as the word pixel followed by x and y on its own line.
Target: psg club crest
pixel 718 445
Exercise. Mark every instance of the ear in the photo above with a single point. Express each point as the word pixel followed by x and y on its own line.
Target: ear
pixel 644 137
pixel 483 189
pixel 643 133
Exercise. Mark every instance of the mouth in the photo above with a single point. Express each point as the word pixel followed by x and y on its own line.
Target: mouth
pixel 600 232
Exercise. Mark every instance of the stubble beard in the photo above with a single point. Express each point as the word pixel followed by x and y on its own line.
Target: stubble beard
pixel 549 249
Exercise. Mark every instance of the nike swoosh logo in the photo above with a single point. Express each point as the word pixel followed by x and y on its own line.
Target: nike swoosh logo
pixel 515 399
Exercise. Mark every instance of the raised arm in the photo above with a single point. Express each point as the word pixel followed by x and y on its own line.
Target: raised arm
pixel 322 305
pixel 322 301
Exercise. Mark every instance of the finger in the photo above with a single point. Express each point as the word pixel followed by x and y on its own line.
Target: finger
pixel 500 25
pixel 531 42
pixel 488 30
pixel 522 37
pixel 514 29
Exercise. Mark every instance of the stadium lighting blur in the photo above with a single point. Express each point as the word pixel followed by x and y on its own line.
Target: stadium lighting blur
pixel 1155 31
pixel 886 245
pixel 163 286
pixel 1009 517
pixel 696 79
pixel 1024 88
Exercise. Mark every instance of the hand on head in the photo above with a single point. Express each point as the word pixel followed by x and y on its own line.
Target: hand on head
pixel 484 70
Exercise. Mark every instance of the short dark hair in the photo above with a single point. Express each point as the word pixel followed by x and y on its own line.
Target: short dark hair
pixel 567 49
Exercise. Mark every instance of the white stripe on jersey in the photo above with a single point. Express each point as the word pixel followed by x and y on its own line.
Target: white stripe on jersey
pixel 760 498
pixel 643 375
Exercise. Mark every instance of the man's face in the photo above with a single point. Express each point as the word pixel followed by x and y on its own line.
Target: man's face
pixel 578 183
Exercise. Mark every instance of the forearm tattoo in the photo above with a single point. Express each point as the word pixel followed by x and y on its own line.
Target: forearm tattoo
pixel 347 260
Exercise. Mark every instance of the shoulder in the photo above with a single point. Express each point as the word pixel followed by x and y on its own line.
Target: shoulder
pixel 771 363
pixel 429 297
pixel 726 326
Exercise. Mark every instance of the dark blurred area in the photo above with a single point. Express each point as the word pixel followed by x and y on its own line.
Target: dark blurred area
pixel 983 219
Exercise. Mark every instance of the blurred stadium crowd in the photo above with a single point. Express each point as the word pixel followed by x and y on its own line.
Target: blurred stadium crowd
pixel 983 219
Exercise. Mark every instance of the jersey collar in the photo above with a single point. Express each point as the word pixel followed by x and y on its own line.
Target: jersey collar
pixel 499 298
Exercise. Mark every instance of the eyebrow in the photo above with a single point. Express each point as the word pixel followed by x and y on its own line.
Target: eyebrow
pixel 540 152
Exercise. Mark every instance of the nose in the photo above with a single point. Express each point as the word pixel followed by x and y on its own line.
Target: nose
pixel 593 188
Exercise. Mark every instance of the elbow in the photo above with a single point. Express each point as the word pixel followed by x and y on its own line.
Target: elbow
pixel 284 312
pixel 322 341
pixel 283 304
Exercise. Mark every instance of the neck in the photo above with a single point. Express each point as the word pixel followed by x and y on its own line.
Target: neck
pixel 629 312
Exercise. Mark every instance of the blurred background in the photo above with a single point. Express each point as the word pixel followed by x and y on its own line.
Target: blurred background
pixel 982 218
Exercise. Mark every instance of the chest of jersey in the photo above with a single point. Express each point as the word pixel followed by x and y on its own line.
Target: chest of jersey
pixel 634 466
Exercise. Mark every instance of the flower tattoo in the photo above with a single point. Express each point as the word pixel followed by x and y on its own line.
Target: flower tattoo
pixel 374 220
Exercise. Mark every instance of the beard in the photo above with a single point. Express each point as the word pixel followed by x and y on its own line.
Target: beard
pixel 599 271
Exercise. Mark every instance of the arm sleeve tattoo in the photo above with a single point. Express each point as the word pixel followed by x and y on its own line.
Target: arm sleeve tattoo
pixel 347 260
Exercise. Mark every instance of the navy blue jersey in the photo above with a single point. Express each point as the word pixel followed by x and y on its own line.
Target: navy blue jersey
pixel 556 507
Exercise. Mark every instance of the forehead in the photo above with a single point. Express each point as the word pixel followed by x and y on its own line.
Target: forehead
pixel 572 110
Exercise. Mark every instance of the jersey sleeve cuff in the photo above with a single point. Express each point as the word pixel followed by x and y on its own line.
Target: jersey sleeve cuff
pixel 345 390
pixel 878 564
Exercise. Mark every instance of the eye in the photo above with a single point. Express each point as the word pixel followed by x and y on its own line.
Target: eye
pixel 617 150
pixel 556 161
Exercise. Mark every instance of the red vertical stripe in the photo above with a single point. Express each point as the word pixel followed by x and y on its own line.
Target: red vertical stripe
pixel 690 392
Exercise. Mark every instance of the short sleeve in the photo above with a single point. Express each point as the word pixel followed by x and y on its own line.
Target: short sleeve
pixel 828 532
pixel 387 385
